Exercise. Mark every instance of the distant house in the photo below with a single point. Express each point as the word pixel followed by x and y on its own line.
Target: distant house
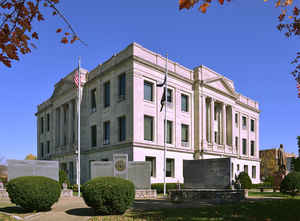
pixel 268 162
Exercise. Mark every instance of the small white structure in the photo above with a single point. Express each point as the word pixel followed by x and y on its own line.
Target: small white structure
pixel 120 113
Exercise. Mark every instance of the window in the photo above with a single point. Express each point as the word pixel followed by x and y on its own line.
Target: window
pixel 246 169
pixel 122 128
pixel 253 172
pixel 169 132
pixel 42 150
pixel 148 91
pixel 106 94
pixel 244 146
pixel 71 171
pixel 236 119
pixel 184 103
pixel 252 125
pixel 122 86
pixel 48 122
pixel 252 147
pixel 236 143
pixel 148 128
pixel 152 161
pixel 238 167
pixel 48 146
pixel 169 95
pixel 244 122
pixel 184 133
pixel 94 135
pixel 93 100
pixel 42 125
pixel 169 167
pixel 106 134
pixel 216 136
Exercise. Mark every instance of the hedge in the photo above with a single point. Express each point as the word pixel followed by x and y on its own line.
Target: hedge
pixel 245 180
pixel 291 183
pixel 33 193
pixel 159 187
pixel 109 195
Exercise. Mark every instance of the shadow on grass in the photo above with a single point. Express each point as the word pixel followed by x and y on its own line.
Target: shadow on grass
pixel 14 210
pixel 81 212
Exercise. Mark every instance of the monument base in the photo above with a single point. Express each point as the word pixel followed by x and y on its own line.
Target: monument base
pixel 141 194
pixel 4 195
pixel 219 195
pixel 66 193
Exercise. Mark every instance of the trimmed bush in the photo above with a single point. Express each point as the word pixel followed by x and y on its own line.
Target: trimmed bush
pixel 63 178
pixel 33 193
pixel 109 195
pixel 245 180
pixel 159 187
pixel 291 183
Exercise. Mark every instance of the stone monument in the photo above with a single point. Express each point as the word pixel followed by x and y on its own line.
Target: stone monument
pixel 65 191
pixel 207 179
pixel 138 172
pixel 17 168
pixel 281 164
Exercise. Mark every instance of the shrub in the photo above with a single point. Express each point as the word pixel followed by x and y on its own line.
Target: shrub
pixel 270 180
pixel 291 183
pixel 33 193
pixel 63 178
pixel 75 187
pixel 159 187
pixel 109 195
pixel 245 180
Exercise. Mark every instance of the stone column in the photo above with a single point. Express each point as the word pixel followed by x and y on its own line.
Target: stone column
pixel 61 125
pixel 224 123
pixel 212 119
pixel 232 129
pixel 256 144
pixel 248 122
pixel 204 138
pixel 70 125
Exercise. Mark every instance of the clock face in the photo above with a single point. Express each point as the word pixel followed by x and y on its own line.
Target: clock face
pixel 120 165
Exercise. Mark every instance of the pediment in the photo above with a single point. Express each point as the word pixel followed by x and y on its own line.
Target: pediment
pixel 220 84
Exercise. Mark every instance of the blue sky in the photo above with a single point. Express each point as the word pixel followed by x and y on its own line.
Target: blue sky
pixel 238 40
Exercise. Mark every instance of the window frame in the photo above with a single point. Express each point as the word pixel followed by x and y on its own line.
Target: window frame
pixel 93 100
pixel 48 121
pixel 244 122
pixel 169 140
pixel 152 160
pixel 122 134
pixel 244 146
pixel 252 125
pixel 172 172
pixel 252 147
pixel 122 86
pixel 94 135
pixel 187 103
pixel 152 127
pixel 253 175
pixel 106 94
pixel 106 132
pixel 187 131
pixel 148 83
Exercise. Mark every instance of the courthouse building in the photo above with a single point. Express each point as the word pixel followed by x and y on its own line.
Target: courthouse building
pixel 120 113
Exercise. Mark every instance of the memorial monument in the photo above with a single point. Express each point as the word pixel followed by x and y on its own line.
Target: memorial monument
pixel 207 179
pixel 138 172
pixel 281 173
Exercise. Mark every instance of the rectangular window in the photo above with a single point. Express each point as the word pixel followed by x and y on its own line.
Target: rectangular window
pixel 122 128
pixel 170 167
pixel 244 146
pixel 106 134
pixel 152 161
pixel 246 169
pixel 252 125
pixel 71 172
pixel 48 146
pixel 253 172
pixel 122 86
pixel 216 136
pixel 169 132
pixel 148 91
pixel 236 143
pixel 169 95
pixel 42 125
pixel 238 167
pixel 42 150
pixel 252 148
pixel 93 100
pixel 48 122
pixel 184 133
pixel 244 122
pixel 148 128
pixel 106 94
pixel 184 103
pixel 236 120
pixel 94 135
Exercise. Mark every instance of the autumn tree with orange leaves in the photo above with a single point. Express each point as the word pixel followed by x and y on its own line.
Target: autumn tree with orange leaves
pixel 289 20
pixel 16 19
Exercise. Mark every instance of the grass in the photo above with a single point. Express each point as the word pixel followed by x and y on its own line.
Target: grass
pixel 272 194
pixel 266 210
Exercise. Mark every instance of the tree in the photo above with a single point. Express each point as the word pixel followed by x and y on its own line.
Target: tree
pixel 30 157
pixel 296 161
pixel 289 21
pixel 16 34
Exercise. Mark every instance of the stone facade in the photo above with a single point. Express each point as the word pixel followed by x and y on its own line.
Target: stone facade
pixel 206 117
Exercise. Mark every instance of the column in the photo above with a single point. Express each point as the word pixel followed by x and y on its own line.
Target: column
pixel 61 125
pixel 256 138
pixel 212 119
pixel 224 123
pixel 204 138
pixel 70 125
pixel 232 130
pixel 248 138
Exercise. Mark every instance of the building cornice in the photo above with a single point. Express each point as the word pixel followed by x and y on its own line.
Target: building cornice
pixel 247 106
pixel 161 147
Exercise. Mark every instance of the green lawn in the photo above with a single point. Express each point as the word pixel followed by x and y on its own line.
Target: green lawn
pixel 266 210
pixel 271 194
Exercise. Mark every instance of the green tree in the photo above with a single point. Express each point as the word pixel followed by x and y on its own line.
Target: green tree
pixel 30 157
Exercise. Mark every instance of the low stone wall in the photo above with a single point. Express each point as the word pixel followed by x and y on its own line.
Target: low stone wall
pixel 145 194
pixel 207 194
pixel 3 195
pixel 66 193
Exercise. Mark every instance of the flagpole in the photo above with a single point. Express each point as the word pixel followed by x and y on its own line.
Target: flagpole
pixel 165 140
pixel 78 127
